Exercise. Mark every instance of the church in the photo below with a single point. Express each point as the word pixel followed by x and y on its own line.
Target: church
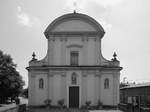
pixel 74 69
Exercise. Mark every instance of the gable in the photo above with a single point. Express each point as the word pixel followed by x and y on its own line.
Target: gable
pixel 73 26
pixel 74 23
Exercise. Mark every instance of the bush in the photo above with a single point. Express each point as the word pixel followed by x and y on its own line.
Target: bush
pixel 61 103
pixel 48 102
pixel 99 104
pixel 88 103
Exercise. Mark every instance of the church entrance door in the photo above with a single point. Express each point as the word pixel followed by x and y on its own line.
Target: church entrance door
pixel 74 97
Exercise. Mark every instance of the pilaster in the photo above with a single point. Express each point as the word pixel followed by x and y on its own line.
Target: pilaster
pixel 97 87
pixel 63 86
pixel 63 51
pixel 85 50
pixel 50 85
pixel 84 88
pixel 32 91
pixel 50 51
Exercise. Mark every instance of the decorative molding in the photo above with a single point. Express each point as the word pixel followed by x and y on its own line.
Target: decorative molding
pixel 74 34
pixel 74 45
pixel 104 69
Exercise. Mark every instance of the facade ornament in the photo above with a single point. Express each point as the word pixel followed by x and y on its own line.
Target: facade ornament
pixel 33 57
pixel 74 11
pixel 114 57
pixel 75 7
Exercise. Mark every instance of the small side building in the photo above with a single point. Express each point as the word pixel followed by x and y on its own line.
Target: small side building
pixel 139 91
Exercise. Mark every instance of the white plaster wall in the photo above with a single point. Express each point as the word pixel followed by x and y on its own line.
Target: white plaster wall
pixel 74 25
pixel 107 94
pixel 40 94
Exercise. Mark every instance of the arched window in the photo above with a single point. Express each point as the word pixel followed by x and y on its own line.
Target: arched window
pixel 74 78
pixel 106 83
pixel 41 83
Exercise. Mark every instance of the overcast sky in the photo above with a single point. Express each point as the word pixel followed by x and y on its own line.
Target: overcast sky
pixel 126 23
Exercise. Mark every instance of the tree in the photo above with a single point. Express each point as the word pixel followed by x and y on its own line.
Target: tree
pixel 11 82
pixel 25 92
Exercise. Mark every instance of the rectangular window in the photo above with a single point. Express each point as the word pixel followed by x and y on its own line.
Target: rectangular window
pixel 74 57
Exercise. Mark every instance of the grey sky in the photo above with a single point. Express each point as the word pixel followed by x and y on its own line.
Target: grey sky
pixel 126 23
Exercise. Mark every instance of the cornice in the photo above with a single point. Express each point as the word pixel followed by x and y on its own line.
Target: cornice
pixel 75 34
pixel 74 45
pixel 68 67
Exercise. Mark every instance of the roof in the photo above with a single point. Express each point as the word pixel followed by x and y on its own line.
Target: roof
pixel 137 86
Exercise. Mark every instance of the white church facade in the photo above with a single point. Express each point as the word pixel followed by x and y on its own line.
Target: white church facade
pixel 74 69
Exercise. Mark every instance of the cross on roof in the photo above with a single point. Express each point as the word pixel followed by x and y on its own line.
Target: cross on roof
pixel 75 6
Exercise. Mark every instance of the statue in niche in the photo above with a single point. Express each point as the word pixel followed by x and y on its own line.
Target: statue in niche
pixel 74 78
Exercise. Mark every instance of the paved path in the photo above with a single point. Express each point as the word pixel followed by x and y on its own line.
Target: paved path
pixel 69 110
pixel 8 106
pixel 106 111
